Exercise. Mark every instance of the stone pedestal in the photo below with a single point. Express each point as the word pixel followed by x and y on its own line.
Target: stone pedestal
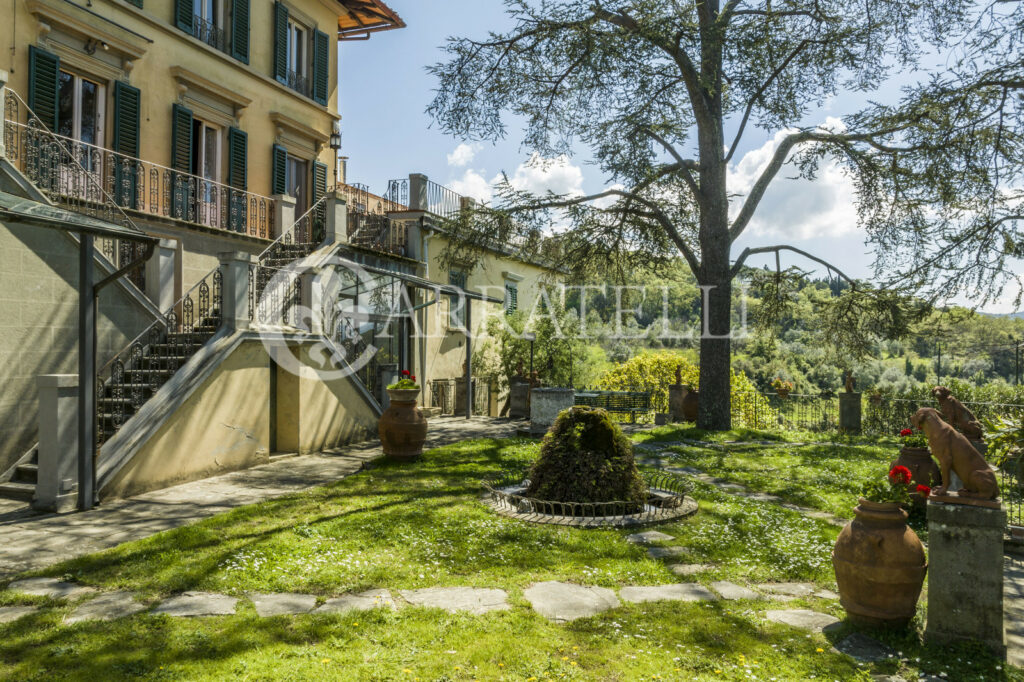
pixel 57 477
pixel 849 413
pixel 545 404
pixel 519 400
pixel 965 575
pixel 676 392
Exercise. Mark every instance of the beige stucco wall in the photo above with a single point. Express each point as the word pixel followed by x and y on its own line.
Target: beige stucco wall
pixel 223 426
pixel 316 413
pixel 39 325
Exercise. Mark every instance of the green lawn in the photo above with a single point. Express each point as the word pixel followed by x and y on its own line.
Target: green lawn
pixel 422 524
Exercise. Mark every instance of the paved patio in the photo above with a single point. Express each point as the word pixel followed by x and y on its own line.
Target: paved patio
pixel 31 541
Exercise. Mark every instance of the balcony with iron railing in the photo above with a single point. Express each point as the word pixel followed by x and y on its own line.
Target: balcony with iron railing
pixel 82 177
pixel 299 83
pixel 208 32
pixel 370 223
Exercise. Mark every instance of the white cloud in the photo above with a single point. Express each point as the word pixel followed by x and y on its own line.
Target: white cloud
pixel 463 155
pixel 539 175
pixel 473 185
pixel 792 207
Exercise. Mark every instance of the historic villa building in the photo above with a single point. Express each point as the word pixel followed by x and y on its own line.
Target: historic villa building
pixel 201 138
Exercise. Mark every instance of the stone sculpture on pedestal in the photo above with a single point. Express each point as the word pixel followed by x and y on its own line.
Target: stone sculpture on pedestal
pixel 956 454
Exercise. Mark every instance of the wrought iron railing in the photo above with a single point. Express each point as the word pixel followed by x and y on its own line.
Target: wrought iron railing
pixel 208 32
pixel 131 377
pixel 103 184
pixel 369 223
pixel 444 202
pixel 888 416
pixel 794 412
pixel 398 194
pixel 298 82
pixel 1012 486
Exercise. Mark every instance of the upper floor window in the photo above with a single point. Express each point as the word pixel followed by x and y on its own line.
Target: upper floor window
pixel 301 55
pixel 80 108
pixel 208 23
pixel 222 24
pixel 298 57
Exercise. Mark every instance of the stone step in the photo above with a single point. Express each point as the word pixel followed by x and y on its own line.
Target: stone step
pixel 26 473
pixel 17 491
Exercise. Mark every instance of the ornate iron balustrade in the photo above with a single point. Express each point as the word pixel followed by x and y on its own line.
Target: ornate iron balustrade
pixel 103 184
pixel 298 82
pixel 444 202
pixel 378 233
pixel 135 374
pixel 209 33
pixel 398 194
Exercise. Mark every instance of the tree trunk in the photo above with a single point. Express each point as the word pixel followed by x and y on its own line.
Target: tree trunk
pixel 715 413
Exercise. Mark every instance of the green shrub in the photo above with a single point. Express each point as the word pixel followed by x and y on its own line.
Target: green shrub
pixel 585 457
pixel 654 372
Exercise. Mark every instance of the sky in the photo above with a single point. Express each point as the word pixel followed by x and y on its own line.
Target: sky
pixel 385 89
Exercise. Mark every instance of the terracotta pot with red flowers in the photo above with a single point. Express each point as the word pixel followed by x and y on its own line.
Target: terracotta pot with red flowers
pixel 402 427
pixel 915 456
pixel 878 559
pixel 782 387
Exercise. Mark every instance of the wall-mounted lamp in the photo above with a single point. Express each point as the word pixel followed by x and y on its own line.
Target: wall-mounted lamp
pixel 91 45
pixel 336 145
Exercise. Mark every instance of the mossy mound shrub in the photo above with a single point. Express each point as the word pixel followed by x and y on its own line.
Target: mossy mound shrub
pixel 585 457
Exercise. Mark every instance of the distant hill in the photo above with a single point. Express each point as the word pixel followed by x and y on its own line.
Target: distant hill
pixel 1013 316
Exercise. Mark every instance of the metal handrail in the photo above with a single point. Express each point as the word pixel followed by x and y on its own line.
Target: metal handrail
pixel 281 238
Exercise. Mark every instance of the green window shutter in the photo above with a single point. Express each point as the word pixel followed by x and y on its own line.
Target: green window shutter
pixel 183 15
pixel 511 298
pixel 238 154
pixel 319 190
pixel 240 30
pixel 137 3
pixel 181 160
pixel 279 171
pixel 321 62
pixel 127 114
pixel 237 158
pixel 43 77
pixel 281 43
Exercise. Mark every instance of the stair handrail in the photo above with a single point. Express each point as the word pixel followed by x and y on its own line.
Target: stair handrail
pixel 290 230
pixel 56 139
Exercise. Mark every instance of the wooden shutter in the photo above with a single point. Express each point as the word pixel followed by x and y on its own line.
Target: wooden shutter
pixel 511 298
pixel 43 80
pixel 279 170
pixel 237 158
pixel 181 160
pixel 319 190
pixel 321 62
pixel 183 15
pixel 127 114
pixel 137 3
pixel 240 30
pixel 281 43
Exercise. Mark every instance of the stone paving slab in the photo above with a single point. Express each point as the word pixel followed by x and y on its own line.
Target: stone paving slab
pixel 9 614
pixel 563 602
pixel 865 649
pixel 188 604
pixel 363 601
pixel 789 589
pixel 50 587
pixel 732 591
pixel 454 599
pixel 678 592
pixel 802 618
pixel 282 604
pixel 689 569
pixel 1013 610
pixel 107 606
pixel 647 537
pixel 665 552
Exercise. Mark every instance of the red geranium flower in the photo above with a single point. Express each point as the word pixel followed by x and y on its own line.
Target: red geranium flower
pixel 413 377
pixel 924 490
pixel 900 474
pixel 906 432
pixel 405 372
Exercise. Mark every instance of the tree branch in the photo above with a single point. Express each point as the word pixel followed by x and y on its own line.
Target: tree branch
pixel 785 247
pixel 685 165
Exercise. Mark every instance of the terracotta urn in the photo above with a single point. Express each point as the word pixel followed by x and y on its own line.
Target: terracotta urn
pixel 783 392
pixel 880 566
pixel 923 471
pixel 402 427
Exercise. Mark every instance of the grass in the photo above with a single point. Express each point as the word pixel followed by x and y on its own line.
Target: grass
pixel 418 525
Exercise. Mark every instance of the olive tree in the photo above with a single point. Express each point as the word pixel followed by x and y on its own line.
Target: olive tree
pixel 662 94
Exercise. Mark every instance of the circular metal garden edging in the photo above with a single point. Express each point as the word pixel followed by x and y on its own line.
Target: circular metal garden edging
pixel 666 501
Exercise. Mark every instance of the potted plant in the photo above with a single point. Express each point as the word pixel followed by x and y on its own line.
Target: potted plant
pixel 782 387
pixel 876 397
pixel 402 427
pixel 878 559
pixel 915 456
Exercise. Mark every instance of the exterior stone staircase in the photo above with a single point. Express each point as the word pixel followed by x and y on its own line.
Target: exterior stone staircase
pixel 23 483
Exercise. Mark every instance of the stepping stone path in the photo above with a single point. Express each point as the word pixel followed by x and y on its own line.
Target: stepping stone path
pixel 285 604
pixel 678 592
pixel 563 602
pixel 665 552
pixel 648 537
pixel 50 587
pixel 107 606
pixel 455 599
pixel 865 649
pixel 689 569
pixel 197 604
pixel 802 618
pixel 732 591
pixel 788 589
pixel 9 614
pixel 364 601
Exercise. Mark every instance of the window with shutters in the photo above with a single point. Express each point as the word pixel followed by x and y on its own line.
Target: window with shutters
pixel 221 24
pixel 81 105
pixel 456 303
pixel 301 54
pixel 511 298
pixel 208 23
pixel 298 56
pixel 206 166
